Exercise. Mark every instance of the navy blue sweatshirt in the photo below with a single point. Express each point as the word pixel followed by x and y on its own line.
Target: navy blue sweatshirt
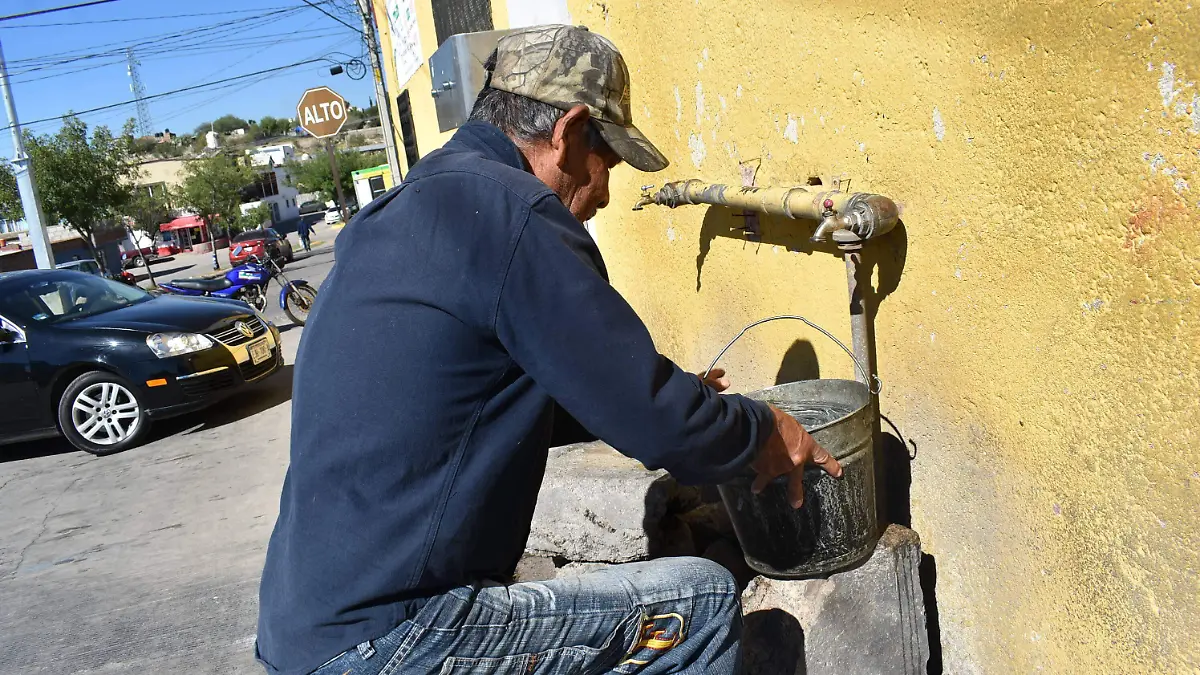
pixel 468 315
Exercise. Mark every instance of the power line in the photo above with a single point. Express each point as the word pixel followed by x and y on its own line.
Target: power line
pixel 37 12
pixel 229 89
pixel 168 54
pixel 172 92
pixel 145 18
pixel 314 6
pixel 204 32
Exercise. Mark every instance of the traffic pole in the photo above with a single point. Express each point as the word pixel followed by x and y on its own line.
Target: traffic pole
pixel 43 252
pixel 337 180
pixel 212 236
pixel 382 104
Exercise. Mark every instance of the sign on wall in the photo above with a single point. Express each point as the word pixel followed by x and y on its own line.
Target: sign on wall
pixel 406 38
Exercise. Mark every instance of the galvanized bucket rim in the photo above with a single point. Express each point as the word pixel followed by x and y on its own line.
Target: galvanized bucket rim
pixel 760 395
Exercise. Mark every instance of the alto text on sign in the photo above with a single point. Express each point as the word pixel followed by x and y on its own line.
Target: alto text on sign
pixel 321 112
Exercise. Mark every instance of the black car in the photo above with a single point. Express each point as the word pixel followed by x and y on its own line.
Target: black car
pixel 97 361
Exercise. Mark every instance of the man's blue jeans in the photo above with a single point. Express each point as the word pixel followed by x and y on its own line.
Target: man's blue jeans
pixel 673 615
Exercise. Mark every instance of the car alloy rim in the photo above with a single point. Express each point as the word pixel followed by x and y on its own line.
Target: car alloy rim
pixel 105 413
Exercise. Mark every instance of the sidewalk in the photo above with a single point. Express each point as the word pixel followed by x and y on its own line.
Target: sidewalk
pixel 187 265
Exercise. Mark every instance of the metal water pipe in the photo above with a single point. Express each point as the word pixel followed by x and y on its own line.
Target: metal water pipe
pixel 864 214
pixel 846 218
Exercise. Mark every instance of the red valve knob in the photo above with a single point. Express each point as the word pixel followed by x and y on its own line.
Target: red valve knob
pixel 829 203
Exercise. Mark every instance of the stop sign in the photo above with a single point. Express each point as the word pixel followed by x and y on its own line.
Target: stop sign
pixel 321 112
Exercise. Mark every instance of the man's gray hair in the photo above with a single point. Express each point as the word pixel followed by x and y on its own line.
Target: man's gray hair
pixel 521 118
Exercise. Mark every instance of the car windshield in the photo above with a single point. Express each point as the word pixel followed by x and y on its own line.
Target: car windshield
pixel 250 236
pixel 88 266
pixel 71 295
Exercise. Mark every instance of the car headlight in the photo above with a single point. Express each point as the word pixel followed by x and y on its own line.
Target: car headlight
pixel 177 344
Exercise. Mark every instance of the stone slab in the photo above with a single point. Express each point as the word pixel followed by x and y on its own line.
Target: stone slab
pixel 596 505
pixel 870 619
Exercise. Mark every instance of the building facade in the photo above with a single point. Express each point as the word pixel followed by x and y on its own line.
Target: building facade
pixel 370 183
pixel 1036 316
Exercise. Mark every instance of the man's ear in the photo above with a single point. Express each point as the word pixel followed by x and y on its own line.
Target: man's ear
pixel 570 129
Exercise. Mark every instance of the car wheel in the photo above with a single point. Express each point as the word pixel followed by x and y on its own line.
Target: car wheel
pixel 100 413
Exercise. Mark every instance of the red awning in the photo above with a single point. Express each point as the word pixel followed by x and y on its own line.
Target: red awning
pixel 181 223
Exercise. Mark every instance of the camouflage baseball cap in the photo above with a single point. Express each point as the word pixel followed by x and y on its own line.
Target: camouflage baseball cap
pixel 565 66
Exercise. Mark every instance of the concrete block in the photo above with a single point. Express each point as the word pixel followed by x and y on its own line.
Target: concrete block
pixel 577 568
pixel 870 619
pixel 596 505
pixel 534 568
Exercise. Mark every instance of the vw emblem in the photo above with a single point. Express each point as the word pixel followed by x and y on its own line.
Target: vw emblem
pixel 244 329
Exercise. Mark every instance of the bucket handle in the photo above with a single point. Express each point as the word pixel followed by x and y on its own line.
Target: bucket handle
pixel 874 388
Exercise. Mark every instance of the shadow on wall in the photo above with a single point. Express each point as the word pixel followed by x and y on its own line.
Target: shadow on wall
pixel 799 363
pixel 793 235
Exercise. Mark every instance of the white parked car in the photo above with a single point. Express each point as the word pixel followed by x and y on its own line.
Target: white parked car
pixel 333 216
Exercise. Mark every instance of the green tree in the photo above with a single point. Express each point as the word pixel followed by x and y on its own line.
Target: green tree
pixel 144 145
pixel 227 123
pixel 212 187
pixel 168 149
pixel 274 126
pixel 82 181
pixel 10 198
pixel 315 175
pixel 148 211
pixel 252 219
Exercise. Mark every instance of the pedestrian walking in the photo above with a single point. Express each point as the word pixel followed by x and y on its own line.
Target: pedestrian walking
pixel 468 326
pixel 304 230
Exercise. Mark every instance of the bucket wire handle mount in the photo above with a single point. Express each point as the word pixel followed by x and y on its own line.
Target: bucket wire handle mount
pixel 874 388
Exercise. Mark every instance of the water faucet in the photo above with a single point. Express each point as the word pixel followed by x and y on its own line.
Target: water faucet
pixel 829 223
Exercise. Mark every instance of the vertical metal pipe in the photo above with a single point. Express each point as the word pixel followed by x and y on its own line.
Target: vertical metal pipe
pixel 43 252
pixel 859 324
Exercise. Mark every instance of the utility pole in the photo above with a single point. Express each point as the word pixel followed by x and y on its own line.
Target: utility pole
pixel 43 253
pixel 212 236
pixel 337 180
pixel 382 104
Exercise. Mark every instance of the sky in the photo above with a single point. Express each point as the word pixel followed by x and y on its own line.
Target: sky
pixel 59 68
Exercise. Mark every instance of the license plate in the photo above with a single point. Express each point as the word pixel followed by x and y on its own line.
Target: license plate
pixel 259 351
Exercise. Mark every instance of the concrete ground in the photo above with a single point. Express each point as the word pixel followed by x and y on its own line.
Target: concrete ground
pixel 200 264
pixel 148 561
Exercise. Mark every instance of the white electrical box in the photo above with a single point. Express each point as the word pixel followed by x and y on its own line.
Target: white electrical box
pixel 457 72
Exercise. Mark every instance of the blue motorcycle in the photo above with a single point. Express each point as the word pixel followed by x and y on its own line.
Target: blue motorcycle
pixel 248 283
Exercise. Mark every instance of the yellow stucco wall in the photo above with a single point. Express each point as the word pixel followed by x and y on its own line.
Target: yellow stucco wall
pixel 419 86
pixel 1038 327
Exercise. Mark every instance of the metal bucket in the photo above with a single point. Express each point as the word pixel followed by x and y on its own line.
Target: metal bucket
pixel 836 527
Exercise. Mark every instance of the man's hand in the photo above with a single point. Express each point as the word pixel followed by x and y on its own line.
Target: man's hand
pixel 716 379
pixel 788 451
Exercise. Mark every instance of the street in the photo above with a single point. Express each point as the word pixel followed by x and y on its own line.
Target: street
pixel 148 560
